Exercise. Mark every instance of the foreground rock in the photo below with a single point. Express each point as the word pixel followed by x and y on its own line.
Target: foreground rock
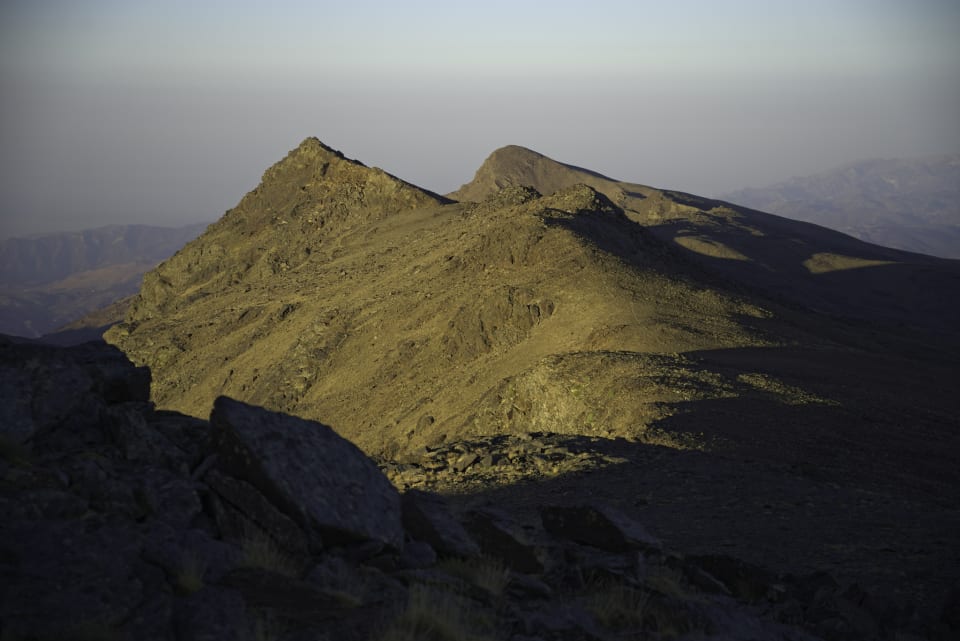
pixel 330 488
pixel 122 522
pixel 601 527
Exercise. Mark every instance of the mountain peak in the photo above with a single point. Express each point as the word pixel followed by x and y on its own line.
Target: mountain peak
pixel 313 194
pixel 514 165
pixel 513 152
pixel 314 143
pixel 310 152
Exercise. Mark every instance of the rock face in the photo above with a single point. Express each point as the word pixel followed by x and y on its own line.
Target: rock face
pixel 426 518
pixel 130 523
pixel 39 394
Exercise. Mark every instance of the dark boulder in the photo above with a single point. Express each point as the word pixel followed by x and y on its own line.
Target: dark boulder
pixel 427 518
pixel 322 481
pixel 59 395
pixel 600 526
pixel 64 568
pixel 500 537
pixel 745 581
pixel 258 512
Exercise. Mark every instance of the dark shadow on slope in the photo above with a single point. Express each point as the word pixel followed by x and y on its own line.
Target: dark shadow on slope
pixel 769 514
pixel 798 264
pixel 836 460
pixel 614 233
pixel 846 412
pixel 839 276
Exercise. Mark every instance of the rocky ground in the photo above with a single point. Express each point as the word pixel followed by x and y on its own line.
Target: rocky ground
pixel 788 518
pixel 125 522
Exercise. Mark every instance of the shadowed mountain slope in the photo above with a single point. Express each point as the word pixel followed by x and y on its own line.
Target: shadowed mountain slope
pixel 798 263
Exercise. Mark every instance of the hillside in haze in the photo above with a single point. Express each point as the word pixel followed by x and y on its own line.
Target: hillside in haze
pixel 50 280
pixel 911 204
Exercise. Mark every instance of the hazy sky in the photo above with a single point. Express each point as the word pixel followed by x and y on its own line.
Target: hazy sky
pixel 115 111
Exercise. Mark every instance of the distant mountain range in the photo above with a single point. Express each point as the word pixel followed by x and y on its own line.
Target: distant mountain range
pixel 911 204
pixel 50 280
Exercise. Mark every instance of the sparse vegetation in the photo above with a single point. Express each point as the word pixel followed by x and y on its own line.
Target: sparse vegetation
pixel 668 581
pixel 93 631
pixel 261 551
pixel 189 578
pixel 432 615
pixel 616 605
pixel 484 572
pixel 266 628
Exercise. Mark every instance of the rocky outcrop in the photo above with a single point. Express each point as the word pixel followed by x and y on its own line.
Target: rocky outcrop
pixel 328 485
pixel 600 526
pixel 124 522
pixel 131 523
pixel 427 519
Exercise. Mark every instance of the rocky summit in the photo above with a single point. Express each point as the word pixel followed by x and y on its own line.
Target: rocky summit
pixel 550 355
pixel 122 521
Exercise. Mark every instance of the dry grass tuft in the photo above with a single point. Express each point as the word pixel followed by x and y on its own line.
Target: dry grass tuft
pixel 617 606
pixel 261 551
pixel 432 615
pixel 189 577
pixel 486 573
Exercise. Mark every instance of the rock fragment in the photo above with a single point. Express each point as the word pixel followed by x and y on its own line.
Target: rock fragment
pixel 600 526
pixel 427 518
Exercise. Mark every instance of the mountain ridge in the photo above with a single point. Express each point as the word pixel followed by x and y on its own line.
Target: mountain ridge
pixel 753 248
pixel 252 220
pixel 518 229
pixel 491 306
pixel 736 354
